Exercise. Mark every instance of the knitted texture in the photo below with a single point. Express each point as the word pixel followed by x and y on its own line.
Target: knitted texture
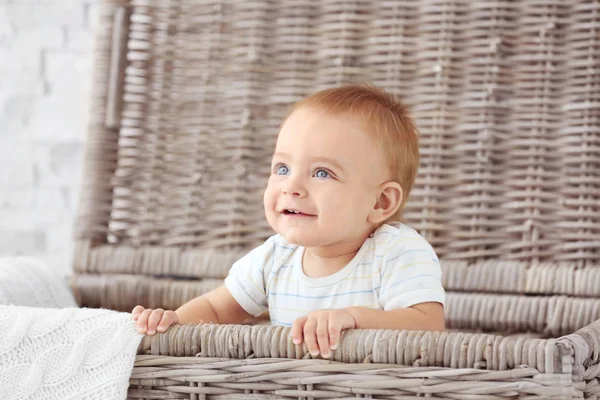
pixel 69 353
pixel 59 353
pixel 28 282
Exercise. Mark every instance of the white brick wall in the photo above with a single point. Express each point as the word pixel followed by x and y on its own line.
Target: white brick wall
pixel 45 77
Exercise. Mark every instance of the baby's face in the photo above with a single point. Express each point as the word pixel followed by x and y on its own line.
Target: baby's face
pixel 324 178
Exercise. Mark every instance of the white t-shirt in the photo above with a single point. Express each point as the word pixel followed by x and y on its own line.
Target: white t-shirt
pixel 395 268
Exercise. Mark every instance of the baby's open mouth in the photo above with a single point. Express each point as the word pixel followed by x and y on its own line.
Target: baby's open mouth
pixel 295 213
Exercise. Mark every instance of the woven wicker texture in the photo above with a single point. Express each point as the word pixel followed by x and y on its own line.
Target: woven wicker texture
pixel 505 95
pixel 187 100
pixel 547 315
pixel 189 96
pixel 247 362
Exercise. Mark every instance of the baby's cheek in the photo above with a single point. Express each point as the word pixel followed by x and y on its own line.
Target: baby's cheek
pixel 343 208
pixel 269 196
pixel 336 204
pixel 355 201
pixel 269 201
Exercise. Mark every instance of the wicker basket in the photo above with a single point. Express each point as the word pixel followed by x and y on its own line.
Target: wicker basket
pixel 187 99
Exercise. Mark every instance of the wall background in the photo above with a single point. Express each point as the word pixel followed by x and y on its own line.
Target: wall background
pixel 45 79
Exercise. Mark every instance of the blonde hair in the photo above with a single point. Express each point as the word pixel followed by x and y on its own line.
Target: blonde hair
pixel 386 118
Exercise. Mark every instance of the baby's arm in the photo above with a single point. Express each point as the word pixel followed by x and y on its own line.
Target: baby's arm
pixel 419 317
pixel 245 281
pixel 217 306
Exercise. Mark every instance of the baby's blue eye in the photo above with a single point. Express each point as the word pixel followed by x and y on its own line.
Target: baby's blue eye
pixel 282 170
pixel 321 173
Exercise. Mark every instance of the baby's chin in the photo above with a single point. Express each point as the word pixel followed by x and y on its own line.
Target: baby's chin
pixel 298 240
pixel 304 239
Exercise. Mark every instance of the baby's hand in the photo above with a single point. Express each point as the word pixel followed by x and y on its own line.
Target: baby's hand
pixel 321 330
pixel 149 321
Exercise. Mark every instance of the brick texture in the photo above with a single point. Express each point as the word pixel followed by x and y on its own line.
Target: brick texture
pixel 45 65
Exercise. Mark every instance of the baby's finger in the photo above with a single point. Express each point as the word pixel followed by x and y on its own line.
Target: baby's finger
pixel 335 327
pixel 323 336
pixel 142 321
pixel 137 310
pixel 297 329
pixel 310 336
pixel 169 318
pixel 154 319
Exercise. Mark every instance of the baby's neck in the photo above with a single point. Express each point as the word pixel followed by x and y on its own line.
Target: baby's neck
pixel 318 262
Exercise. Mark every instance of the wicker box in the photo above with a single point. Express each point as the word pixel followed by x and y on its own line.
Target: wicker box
pixel 187 100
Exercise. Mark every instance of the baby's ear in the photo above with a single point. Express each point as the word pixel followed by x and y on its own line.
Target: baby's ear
pixel 388 202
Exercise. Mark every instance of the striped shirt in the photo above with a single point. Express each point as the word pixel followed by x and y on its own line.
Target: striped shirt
pixel 395 268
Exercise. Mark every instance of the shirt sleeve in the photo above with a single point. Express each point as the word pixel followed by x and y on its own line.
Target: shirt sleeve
pixel 410 276
pixel 246 280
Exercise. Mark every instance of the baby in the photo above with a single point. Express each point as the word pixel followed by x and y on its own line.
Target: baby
pixel 345 161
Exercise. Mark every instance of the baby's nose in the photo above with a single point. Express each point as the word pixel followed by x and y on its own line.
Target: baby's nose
pixel 295 192
pixel 294 189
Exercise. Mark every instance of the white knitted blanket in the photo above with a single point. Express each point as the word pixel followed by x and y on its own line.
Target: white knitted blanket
pixel 59 353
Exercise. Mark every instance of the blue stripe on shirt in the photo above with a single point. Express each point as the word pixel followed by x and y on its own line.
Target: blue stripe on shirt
pixel 280 322
pixel 274 271
pixel 284 247
pixel 323 297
